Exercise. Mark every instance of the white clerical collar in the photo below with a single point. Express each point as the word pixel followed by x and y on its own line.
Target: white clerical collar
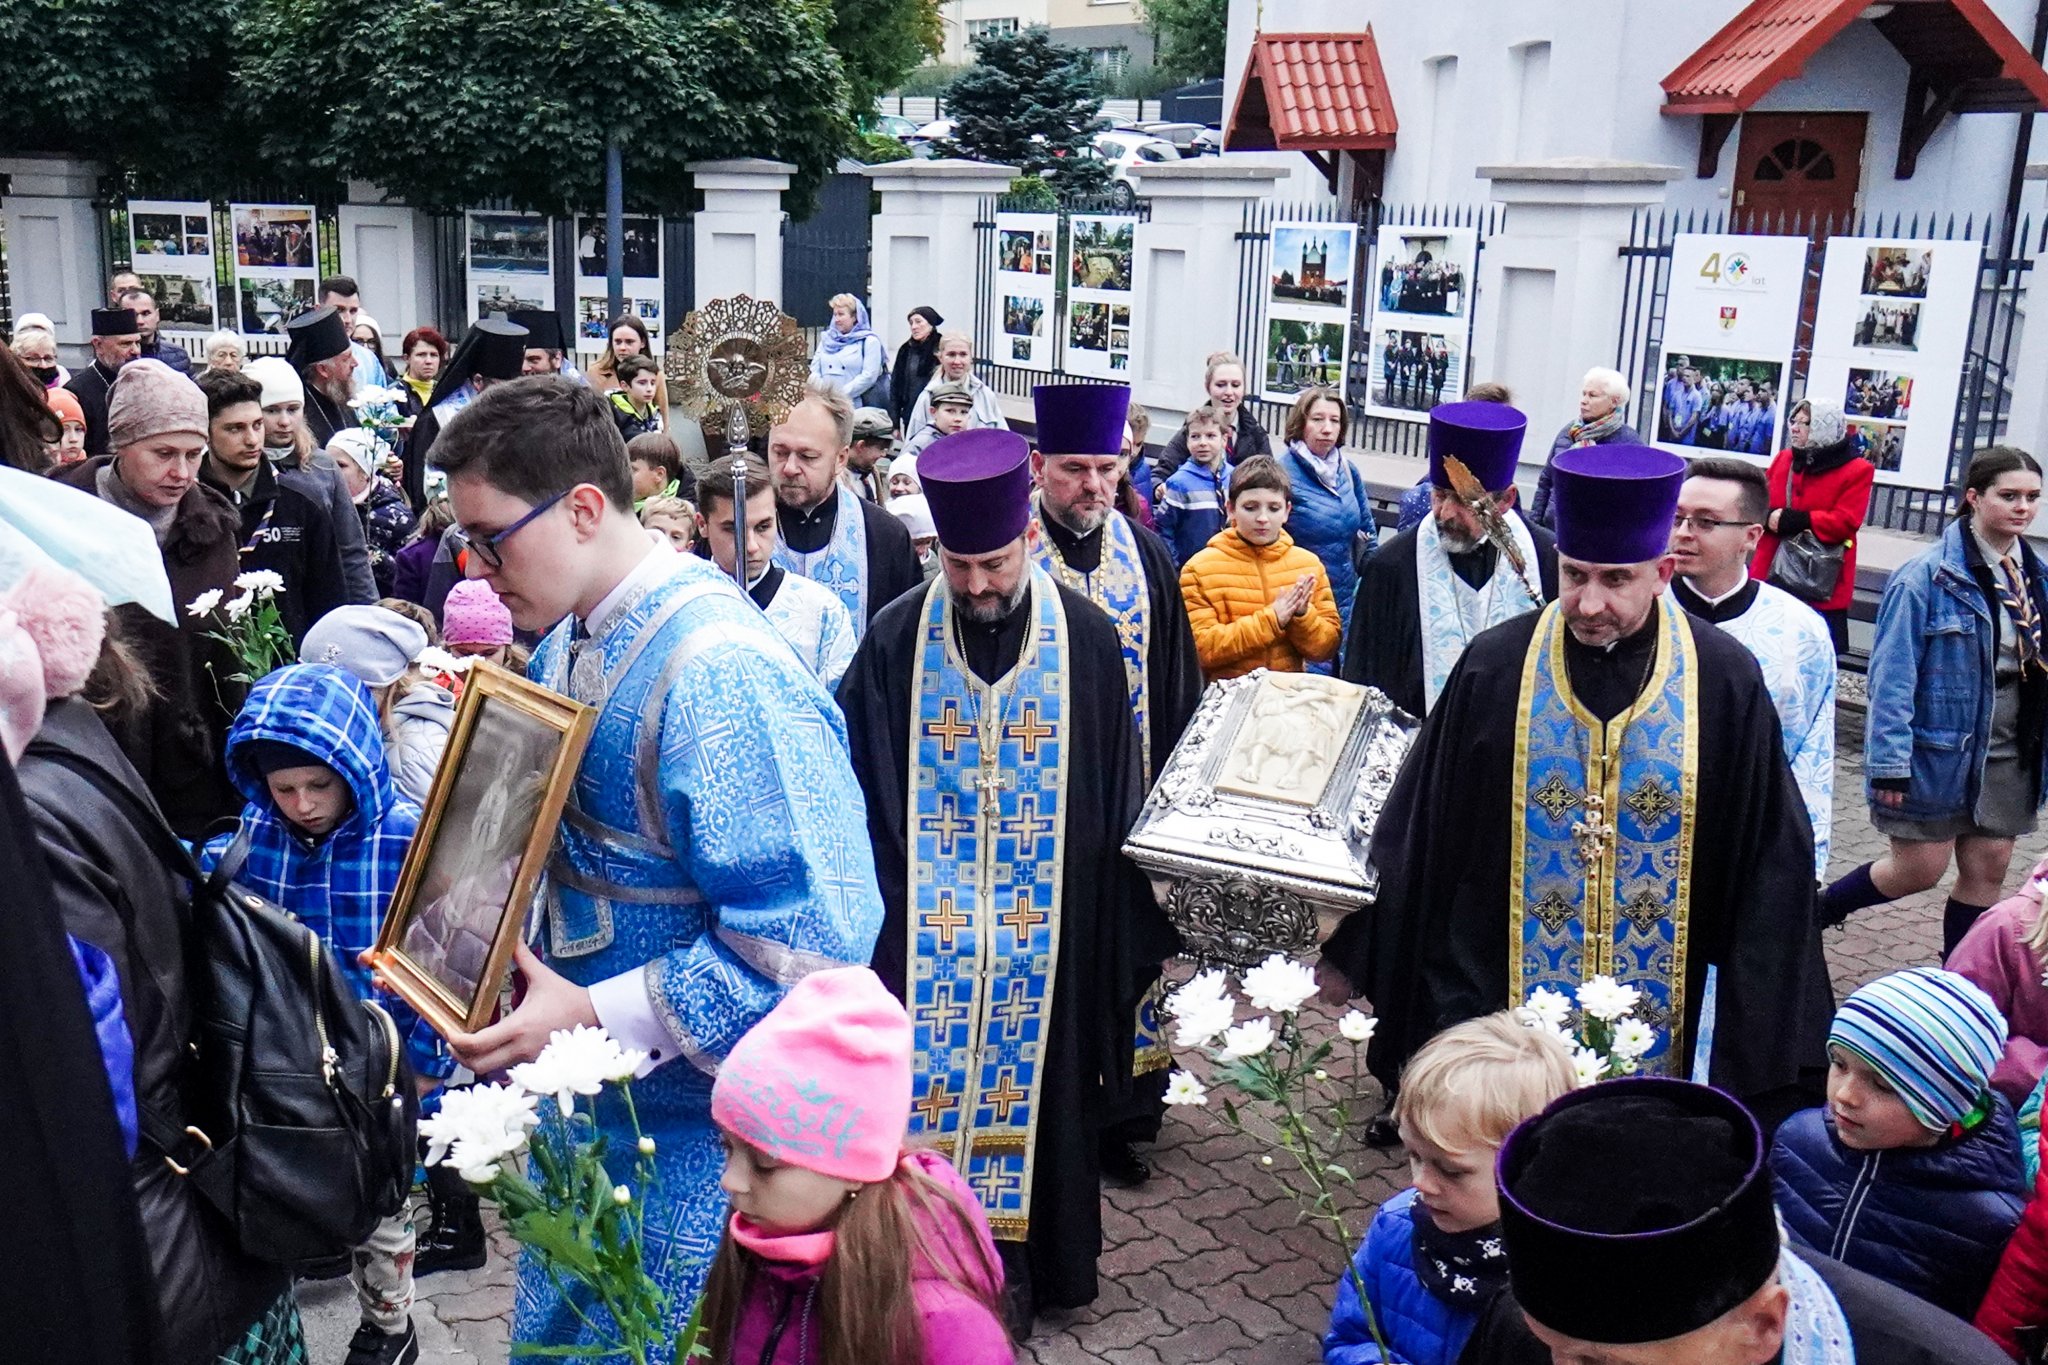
pixel 1715 601
pixel 655 561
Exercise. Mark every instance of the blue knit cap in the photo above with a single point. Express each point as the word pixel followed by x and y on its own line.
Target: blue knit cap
pixel 1933 1036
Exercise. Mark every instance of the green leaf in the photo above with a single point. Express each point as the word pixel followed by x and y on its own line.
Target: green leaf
pixel 1342 1173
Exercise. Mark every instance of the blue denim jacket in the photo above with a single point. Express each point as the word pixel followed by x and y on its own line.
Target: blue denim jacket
pixel 1931 677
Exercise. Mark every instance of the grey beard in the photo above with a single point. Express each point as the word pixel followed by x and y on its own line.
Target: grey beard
pixel 1456 542
pixel 1081 523
pixel 984 615
pixel 336 390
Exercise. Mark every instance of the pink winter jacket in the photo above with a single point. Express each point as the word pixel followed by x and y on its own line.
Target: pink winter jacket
pixel 1994 955
pixel 958 1330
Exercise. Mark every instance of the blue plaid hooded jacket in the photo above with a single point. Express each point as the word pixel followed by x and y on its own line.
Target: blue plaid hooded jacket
pixel 338 886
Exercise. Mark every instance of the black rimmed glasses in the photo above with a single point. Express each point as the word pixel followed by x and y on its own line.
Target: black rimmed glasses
pixel 486 547
pixel 1705 525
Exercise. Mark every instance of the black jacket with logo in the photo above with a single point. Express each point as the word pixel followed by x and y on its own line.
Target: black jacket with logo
pixel 291 535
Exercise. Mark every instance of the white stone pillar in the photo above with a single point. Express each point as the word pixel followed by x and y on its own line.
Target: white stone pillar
pixel 55 256
pixel 925 247
pixel 1550 281
pixel 739 229
pixel 1187 261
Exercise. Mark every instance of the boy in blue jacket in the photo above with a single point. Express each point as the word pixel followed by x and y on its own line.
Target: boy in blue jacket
pixel 327 839
pixel 1195 503
pixel 1912 1172
pixel 1433 1259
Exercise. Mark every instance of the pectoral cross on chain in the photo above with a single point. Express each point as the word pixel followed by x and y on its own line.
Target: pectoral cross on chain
pixel 989 781
pixel 1593 835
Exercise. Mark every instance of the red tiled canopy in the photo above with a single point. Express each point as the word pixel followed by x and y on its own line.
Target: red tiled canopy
pixel 1959 44
pixel 1311 92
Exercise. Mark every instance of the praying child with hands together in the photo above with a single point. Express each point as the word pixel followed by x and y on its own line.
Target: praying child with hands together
pixel 1256 599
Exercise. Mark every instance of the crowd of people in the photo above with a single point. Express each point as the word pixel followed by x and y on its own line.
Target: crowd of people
pixel 852 683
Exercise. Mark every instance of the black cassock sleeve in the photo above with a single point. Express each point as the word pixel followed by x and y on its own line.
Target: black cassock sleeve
pixel 875 698
pixel 892 560
pixel 1383 639
pixel 1173 671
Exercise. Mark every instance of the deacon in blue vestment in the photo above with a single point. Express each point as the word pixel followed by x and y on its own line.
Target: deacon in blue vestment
pixel 993 738
pixel 713 850
pixel 1601 790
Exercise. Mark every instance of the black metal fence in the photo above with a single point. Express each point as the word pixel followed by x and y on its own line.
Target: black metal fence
pixel 1997 313
pixel 1017 380
pixel 1254 292
pixel 827 253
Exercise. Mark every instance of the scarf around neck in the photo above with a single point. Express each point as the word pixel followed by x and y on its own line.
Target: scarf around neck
pixel 1462 1269
pixel 1592 433
pixel 109 486
pixel 833 341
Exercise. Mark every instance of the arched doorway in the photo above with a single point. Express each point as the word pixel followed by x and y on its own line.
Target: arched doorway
pixel 1797 166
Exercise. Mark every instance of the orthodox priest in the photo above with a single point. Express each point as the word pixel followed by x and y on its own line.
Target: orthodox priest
pixel 1084 542
pixel 319 351
pixel 491 351
pixel 830 534
pixel 1601 790
pixel 993 742
pixel 1434 587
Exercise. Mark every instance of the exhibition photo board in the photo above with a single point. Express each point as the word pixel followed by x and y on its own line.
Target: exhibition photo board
pixel 1889 343
pixel 510 259
pixel 641 262
pixel 1308 309
pixel 1421 329
pixel 170 246
pixel 1026 248
pixel 276 265
pixel 1100 266
pixel 1731 322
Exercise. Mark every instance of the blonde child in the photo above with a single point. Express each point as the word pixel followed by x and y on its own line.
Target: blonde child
pixel 674 519
pixel 1432 1259
pixel 884 1253
pixel 1256 599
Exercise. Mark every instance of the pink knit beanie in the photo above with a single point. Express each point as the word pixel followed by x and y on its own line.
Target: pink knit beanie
pixel 150 399
pixel 473 615
pixel 52 623
pixel 824 1081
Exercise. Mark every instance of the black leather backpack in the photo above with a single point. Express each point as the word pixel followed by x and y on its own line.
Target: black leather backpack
pixel 300 1116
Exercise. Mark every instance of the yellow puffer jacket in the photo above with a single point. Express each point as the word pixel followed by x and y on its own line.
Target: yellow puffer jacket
pixel 1230 586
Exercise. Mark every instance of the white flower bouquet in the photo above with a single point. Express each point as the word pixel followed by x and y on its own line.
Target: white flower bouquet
pixel 1271 1060
pixel 376 409
pixel 1606 1039
pixel 564 1207
pixel 251 625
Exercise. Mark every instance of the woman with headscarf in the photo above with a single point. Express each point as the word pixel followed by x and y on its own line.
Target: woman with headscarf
pixel 850 357
pixel 1821 484
pixel 917 360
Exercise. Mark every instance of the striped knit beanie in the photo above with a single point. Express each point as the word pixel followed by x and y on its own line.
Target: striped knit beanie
pixel 1933 1036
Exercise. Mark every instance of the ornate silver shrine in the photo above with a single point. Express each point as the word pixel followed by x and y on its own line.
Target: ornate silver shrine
pixel 1263 816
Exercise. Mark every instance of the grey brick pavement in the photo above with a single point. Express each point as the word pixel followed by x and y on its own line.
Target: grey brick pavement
pixel 1207 1262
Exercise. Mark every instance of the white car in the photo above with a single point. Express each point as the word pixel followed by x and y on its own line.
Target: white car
pixel 1121 150
pixel 936 130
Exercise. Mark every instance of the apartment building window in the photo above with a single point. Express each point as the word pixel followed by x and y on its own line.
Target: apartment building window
pixel 1110 61
pixel 977 29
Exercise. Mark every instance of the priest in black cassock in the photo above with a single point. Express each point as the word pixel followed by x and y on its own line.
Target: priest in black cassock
pixel 1430 590
pixel 116 340
pixel 319 351
pixel 492 350
pixel 1601 790
pixel 1083 541
pixel 989 730
pixel 830 534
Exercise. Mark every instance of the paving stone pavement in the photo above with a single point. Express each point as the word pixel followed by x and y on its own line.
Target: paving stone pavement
pixel 1208 1261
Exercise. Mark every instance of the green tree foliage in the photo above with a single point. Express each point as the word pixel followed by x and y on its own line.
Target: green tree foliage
pixel 882 41
pixel 448 106
pixel 113 79
pixel 1191 35
pixel 1027 102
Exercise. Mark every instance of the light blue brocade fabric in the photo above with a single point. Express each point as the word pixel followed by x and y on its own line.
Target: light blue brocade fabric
pixel 717 836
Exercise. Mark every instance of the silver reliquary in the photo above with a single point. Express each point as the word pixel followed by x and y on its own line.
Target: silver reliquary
pixel 1262 817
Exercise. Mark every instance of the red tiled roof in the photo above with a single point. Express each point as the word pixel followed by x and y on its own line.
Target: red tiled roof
pixel 1772 40
pixel 1312 92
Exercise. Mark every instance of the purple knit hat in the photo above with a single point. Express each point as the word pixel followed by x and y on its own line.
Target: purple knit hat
pixel 1486 437
pixel 1081 419
pixel 978 486
pixel 1615 503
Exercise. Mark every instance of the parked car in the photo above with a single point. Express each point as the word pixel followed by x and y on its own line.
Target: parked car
pixel 1181 135
pixel 1208 142
pixel 893 125
pixel 1121 150
pixel 937 130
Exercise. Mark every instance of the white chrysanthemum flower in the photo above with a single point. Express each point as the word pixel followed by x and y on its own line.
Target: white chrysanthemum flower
pixel 1200 1021
pixel 1604 999
pixel 1205 986
pixel 1182 1088
pixel 1589 1065
pixel 238 607
pixel 478 1127
pixel 1248 1039
pixel 1549 1008
pixel 261 582
pixel 576 1062
pixel 1357 1027
pixel 1633 1038
pixel 204 603
pixel 1280 985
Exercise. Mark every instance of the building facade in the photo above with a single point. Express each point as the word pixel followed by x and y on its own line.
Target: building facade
pixel 1112 32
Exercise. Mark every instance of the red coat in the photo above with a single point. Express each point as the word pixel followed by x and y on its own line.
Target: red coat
pixel 1833 501
pixel 2018 1296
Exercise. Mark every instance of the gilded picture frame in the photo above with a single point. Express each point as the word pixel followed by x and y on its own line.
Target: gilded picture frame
pixel 490 819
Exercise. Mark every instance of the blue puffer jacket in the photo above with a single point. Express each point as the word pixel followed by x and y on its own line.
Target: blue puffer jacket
pixel 1420 1328
pixel 1327 521
pixel 1931 1220
pixel 1931 679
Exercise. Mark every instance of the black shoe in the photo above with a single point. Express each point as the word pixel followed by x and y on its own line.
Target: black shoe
pixel 1382 1132
pixel 372 1347
pixel 1121 1164
pixel 455 1239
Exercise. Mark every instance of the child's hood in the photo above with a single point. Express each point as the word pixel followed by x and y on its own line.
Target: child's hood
pixel 328 713
pixel 428 702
